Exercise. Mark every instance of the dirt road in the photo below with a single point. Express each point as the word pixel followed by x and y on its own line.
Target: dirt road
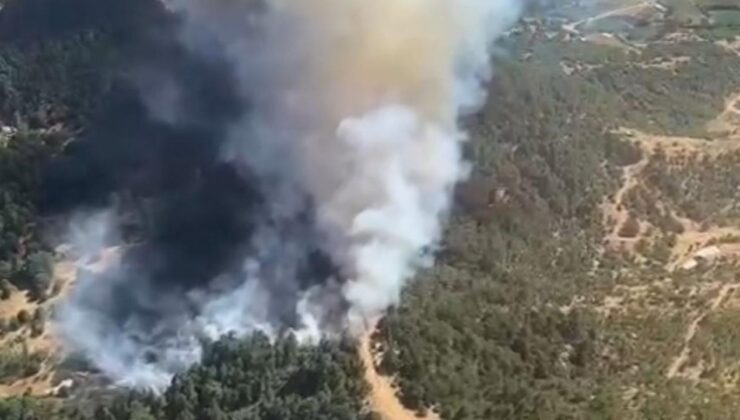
pixel 383 399
pixel 683 357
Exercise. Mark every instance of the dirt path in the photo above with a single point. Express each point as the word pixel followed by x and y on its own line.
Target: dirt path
pixel 675 146
pixel 680 360
pixel 383 399
pixel 727 124
pixel 670 64
pixel 725 133
pixel 572 27
pixel 616 212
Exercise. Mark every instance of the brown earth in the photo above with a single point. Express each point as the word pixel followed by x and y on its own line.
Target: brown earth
pixel 383 398
pixel 45 381
pixel 41 383
pixel 679 361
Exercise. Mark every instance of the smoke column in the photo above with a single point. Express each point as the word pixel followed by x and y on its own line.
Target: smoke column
pixel 316 148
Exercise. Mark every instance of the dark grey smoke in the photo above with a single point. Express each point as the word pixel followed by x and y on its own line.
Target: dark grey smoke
pixel 267 165
pixel 189 225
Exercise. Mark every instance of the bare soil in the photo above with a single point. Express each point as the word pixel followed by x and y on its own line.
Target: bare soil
pixel 383 398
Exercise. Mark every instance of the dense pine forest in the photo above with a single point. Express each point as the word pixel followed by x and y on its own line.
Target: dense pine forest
pixel 250 379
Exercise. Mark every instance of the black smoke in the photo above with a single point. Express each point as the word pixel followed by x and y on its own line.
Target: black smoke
pixel 185 219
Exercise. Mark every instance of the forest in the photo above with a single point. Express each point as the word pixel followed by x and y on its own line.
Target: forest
pixel 238 379
pixel 504 326
pixel 492 331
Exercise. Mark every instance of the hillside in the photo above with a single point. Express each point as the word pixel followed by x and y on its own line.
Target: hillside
pixel 589 269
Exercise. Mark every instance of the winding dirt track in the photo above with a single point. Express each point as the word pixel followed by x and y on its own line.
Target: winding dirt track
pixel 617 211
pixel 572 27
pixel 683 357
pixel 383 399
pixel 726 131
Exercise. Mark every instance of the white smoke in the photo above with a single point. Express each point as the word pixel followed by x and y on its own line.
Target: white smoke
pixel 356 104
pixel 390 204
pixel 361 100
pixel 91 238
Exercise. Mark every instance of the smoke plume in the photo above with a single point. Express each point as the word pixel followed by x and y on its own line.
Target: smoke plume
pixel 277 166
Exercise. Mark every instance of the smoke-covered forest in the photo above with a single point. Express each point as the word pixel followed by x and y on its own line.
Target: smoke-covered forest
pixel 517 317
pixel 60 67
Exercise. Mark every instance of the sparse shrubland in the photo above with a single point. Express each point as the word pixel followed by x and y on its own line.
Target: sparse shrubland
pixel 17 361
pixel 703 189
pixel 673 103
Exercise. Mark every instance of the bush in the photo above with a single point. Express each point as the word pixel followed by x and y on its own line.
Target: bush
pixel 5 289
pixel 23 317
pixel 13 324
pixel 38 323
pixel 630 228
pixel 17 362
